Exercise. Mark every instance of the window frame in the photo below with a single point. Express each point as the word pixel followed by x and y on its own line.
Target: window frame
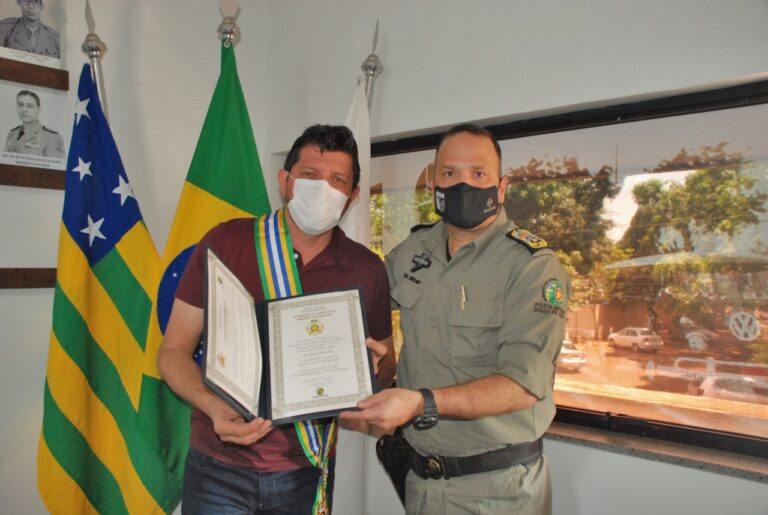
pixel 664 105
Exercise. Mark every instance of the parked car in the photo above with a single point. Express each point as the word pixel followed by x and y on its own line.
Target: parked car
pixel 570 357
pixel 636 338
pixel 744 389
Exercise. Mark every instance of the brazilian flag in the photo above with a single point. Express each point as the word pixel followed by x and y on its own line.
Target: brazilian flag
pixel 224 181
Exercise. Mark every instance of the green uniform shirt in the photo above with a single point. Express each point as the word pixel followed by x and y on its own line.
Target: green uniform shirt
pixel 37 141
pixel 497 307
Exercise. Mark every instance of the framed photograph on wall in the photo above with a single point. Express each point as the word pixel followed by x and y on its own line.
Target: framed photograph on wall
pixel 34 126
pixel 31 31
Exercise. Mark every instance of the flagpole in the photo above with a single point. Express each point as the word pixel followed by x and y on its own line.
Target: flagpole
pixel 95 48
pixel 372 68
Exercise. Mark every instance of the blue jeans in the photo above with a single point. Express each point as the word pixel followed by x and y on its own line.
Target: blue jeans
pixel 214 487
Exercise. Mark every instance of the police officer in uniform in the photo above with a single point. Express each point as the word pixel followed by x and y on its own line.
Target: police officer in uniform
pixel 28 33
pixel 32 137
pixel 482 311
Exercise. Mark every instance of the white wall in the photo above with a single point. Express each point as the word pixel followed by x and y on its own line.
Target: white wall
pixel 445 61
pixel 448 61
pixel 587 481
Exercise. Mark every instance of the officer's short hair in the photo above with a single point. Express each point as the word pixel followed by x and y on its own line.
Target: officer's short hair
pixel 329 138
pixel 29 93
pixel 473 129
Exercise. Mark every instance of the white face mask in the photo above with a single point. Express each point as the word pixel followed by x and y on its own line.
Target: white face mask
pixel 316 206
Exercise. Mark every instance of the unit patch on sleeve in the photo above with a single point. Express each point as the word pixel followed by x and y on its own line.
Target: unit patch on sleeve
pixel 527 239
pixel 553 295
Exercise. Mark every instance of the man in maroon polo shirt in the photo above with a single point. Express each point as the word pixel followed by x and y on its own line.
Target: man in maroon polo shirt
pixel 236 466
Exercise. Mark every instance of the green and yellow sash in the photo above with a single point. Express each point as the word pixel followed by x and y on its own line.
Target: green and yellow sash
pixel 280 278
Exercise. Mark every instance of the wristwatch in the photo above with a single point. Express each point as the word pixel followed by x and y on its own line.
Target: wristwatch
pixel 428 418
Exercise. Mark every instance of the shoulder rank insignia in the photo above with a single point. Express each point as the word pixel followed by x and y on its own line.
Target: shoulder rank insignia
pixel 527 239
pixel 46 129
pixel 422 226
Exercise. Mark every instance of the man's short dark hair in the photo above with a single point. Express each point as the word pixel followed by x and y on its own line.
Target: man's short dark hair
pixel 328 138
pixel 476 130
pixel 29 94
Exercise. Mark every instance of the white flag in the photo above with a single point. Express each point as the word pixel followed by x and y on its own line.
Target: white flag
pixel 357 220
pixel 351 468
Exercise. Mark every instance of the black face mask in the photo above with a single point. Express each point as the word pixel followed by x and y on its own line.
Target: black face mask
pixel 465 206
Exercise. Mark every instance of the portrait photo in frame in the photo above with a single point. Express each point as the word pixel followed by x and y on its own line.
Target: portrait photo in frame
pixel 35 128
pixel 31 31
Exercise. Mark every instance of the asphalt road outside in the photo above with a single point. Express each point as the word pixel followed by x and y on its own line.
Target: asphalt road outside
pixel 654 386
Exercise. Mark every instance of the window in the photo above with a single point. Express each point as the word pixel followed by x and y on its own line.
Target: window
pixel 659 211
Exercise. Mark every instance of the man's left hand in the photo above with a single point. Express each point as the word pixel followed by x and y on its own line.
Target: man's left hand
pixel 384 363
pixel 379 350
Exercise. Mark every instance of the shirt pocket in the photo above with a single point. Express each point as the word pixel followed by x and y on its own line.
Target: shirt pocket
pixel 406 296
pixel 474 332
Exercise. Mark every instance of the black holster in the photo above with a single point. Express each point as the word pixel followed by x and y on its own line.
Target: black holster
pixel 394 453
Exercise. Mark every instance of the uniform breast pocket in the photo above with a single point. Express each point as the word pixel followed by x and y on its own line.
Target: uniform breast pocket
pixel 474 333
pixel 406 295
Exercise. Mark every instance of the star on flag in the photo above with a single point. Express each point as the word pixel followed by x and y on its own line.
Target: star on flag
pixel 81 109
pixel 83 168
pixel 124 190
pixel 93 230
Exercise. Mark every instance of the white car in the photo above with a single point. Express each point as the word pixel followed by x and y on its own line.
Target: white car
pixel 636 338
pixel 570 357
pixel 744 389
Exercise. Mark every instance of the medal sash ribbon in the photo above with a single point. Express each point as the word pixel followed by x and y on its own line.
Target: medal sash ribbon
pixel 280 278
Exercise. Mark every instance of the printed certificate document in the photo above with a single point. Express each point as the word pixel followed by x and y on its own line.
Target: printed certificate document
pixel 285 359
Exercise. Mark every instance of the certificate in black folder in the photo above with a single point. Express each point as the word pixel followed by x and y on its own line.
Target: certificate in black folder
pixel 286 359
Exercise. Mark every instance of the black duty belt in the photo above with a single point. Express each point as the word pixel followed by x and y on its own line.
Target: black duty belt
pixel 436 467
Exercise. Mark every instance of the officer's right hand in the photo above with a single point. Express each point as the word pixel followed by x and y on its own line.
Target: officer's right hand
pixel 387 410
pixel 231 427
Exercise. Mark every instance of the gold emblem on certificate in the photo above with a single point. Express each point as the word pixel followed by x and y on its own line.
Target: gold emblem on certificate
pixel 315 327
